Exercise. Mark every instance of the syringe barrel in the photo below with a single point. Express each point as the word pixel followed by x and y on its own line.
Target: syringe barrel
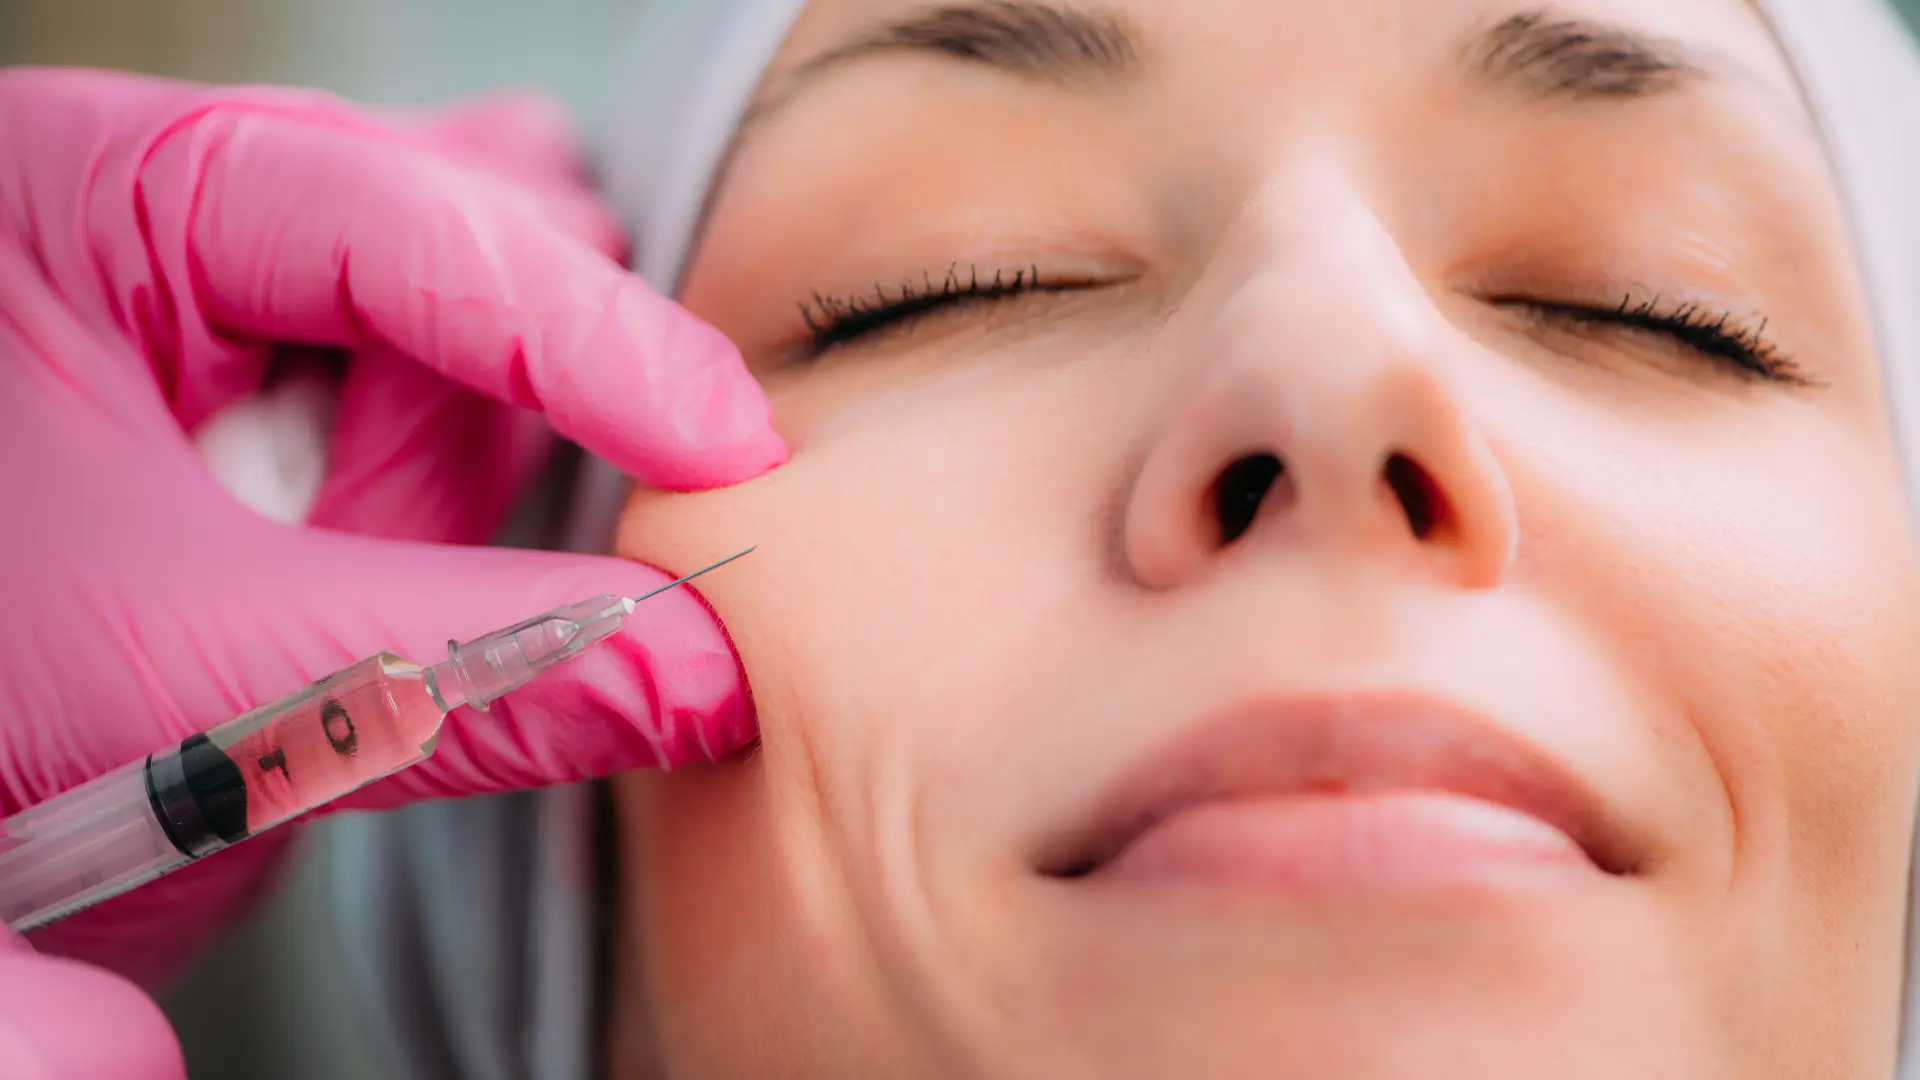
pixel 243 777
pixel 77 849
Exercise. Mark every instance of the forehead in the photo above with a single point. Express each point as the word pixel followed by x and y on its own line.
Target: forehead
pixel 1229 41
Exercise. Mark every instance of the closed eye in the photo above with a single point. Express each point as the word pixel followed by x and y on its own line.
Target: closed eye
pixel 833 321
pixel 1745 350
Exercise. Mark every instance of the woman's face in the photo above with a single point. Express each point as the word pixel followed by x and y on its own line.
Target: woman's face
pixel 1323 539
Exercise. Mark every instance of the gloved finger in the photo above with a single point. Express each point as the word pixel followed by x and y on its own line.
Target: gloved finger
pixel 117 190
pixel 230 373
pixel 524 134
pixel 62 1020
pixel 666 690
pixel 429 262
pixel 416 457
pixel 81 209
pixel 577 213
pixel 525 138
pixel 273 448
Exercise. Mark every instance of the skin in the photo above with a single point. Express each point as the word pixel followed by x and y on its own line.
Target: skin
pixel 988 582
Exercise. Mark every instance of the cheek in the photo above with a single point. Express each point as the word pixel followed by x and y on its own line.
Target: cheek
pixel 870 622
pixel 725 918
pixel 911 521
pixel 1760 580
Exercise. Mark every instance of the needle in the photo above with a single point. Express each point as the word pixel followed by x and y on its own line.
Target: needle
pixel 689 577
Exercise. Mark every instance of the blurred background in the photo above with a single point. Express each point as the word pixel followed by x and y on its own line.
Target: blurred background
pixel 381 50
pixel 240 1016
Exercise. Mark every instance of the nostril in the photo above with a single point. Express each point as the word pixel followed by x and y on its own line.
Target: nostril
pixel 1419 496
pixel 1242 487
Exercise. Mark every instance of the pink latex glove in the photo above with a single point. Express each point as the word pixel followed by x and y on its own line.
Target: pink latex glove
pixel 156 240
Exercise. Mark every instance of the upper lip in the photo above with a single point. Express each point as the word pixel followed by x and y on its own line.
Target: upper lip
pixel 1377 744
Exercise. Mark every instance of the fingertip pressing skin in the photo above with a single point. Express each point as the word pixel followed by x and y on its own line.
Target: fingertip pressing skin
pixel 707 424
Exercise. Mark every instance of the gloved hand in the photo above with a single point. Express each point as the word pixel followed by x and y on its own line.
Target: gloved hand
pixel 157 240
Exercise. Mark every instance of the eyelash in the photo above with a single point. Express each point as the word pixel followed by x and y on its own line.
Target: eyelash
pixel 833 322
pixel 1693 327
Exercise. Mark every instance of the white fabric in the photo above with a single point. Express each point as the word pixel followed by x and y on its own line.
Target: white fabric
pixel 466 923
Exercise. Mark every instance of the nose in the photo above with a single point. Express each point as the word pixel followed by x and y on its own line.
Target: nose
pixel 1316 417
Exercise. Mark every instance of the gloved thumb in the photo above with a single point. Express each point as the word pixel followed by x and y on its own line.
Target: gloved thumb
pixel 62 1020
pixel 666 690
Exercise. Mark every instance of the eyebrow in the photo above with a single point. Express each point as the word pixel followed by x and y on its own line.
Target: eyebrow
pixel 1028 39
pixel 1551 58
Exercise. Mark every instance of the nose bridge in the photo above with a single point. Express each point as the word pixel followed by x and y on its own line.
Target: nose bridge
pixel 1311 266
pixel 1317 367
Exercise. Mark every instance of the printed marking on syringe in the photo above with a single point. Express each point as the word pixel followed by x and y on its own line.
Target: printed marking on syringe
pixel 348 740
pixel 335 722
pixel 684 580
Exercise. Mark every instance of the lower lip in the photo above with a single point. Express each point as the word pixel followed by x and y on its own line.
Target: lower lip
pixel 1377 843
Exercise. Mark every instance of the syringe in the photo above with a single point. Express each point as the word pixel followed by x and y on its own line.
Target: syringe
pixel 243 777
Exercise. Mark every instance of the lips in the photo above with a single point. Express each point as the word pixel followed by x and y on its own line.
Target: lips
pixel 1336 751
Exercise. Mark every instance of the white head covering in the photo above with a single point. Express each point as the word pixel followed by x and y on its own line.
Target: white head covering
pixel 466 924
